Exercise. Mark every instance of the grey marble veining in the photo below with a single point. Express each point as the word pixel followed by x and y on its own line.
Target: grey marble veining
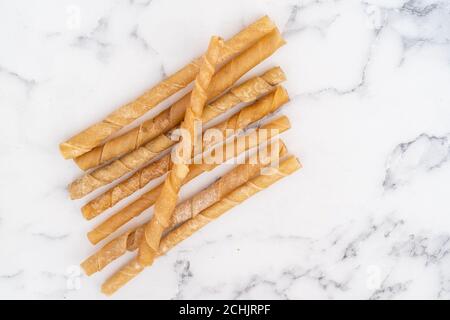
pixel 366 218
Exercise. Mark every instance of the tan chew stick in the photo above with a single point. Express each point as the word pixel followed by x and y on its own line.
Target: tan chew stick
pixel 247 92
pixel 167 199
pixel 148 199
pixel 184 211
pixel 133 268
pixel 112 250
pixel 97 133
pixel 104 175
pixel 172 116
pixel 234 198
pixel 143 176
pixel 118 168
pixel 227 183
pixel 240 144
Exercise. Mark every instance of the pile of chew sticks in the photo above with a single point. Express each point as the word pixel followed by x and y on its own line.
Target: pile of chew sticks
pixel 140 152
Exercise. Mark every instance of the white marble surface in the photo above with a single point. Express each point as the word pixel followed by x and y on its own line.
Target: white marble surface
pixel 367 217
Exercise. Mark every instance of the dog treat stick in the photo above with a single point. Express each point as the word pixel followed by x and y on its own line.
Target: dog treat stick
pixel 239 195
pixel 118 168
pixel 146 200
pixel 184 211
pixel 97 133
pixel 172 116
pixel 104 175
pixel 160 167
pixel 227 183
pixel 134 267
pixel 240 144
pixel 245 92
pixel 167 199
pixel 113 250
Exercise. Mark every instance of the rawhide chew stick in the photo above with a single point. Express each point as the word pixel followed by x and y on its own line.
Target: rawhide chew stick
pixel 242 144
pixel 234 198
pixel 240 194
pixel 104 175
pixel 185 210
pixel 167 199
pixel 172 116
pixel 113 250
pixel 143 176
pixel 227 183
pixel 97 133
pixel 135 159
pixel 239 144
pixel 246 92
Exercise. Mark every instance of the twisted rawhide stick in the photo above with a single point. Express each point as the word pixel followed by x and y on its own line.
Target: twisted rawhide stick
pixel 239 144
pixel 134 267
pixel 172 116
pixel 156 169
pixel 97 133
pixel 118 168
pixel 187 209
pixel 167 199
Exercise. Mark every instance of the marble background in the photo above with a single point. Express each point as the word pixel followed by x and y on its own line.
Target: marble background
pixel 368 216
